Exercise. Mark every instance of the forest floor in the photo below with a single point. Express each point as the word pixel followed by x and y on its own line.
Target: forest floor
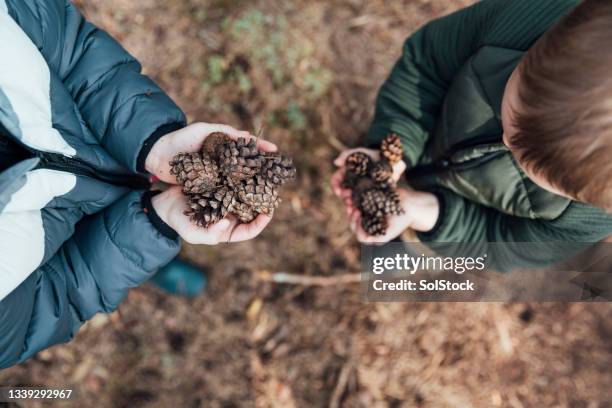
pixel 306 72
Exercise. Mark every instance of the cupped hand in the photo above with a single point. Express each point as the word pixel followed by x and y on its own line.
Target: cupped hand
pixel 421 212
pixel 397 223
pixel 336 180
pixel 190 139
pixel 171 204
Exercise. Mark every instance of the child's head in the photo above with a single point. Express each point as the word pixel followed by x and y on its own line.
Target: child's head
pixel 557 108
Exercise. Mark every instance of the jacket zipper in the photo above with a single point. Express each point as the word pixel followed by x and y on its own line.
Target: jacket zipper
pixel 446 163
pixel 56 161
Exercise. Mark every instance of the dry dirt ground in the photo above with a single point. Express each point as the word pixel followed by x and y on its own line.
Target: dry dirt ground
pixel 307 72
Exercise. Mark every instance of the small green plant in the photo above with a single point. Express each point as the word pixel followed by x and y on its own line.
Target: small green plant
pixel 295 117
pixel 287 57
pixel 216 69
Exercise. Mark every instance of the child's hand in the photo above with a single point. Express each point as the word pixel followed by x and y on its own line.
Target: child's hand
pixel 190 139
pixel 336 179
pixel 421 211
pixel 170 206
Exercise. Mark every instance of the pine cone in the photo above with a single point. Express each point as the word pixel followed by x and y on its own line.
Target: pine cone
pixel 357 165
pixel 391 148
pixel 259 194
pixel 230 177
pixel 277 169
pixel 204 211
pixel 240 160
pixel 372 202
pixel 244 212
pixel 209 207
pixel 375 226
pixel 372 199
pixel 215 143
pixel 197 172
pixel 382 173
pixel 394 205
pixel 379 202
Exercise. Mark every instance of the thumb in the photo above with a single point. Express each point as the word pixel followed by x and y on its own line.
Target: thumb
pixel 399 169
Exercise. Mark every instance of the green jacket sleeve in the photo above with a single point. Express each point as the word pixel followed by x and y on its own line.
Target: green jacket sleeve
pixel 410 99
pixel 463 221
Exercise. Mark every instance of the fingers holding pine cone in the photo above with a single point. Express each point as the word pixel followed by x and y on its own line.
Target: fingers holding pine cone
pixel 357 165
pixel 373 188
pixel 230 177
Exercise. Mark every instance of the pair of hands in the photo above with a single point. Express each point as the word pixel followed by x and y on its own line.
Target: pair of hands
pixel 421 210
pixel 171 203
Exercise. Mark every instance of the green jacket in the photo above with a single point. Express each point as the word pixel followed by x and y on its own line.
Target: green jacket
pixel 443 98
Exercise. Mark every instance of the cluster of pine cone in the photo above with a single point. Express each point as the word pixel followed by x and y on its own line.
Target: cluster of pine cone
pixel 230 177
pixel 373 188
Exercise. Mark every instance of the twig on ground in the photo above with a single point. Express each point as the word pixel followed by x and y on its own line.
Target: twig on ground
pixel 295 279
pixel 340 387
pixel 336 143
pixel 327 127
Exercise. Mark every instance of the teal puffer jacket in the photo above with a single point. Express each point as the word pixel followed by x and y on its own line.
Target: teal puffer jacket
pixel 73 233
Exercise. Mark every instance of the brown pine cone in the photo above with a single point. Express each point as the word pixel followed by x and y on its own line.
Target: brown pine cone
pixel 260 194
pixel 209 207
pixel 215 143
pixel 240 159
pixel 374 201
pixel 204 211
pixel 230 177
pixel 382 173
pixel 391 148
pixel 277 169
pixel 375 226
pixel 244 212
pixel 394 205
pixel 358 163
pixel 197 172
pixel 357 166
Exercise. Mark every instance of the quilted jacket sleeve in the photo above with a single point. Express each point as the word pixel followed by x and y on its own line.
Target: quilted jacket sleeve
pixel 410 99
pixel 464 221
pixel 91 273
pixel 126 110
